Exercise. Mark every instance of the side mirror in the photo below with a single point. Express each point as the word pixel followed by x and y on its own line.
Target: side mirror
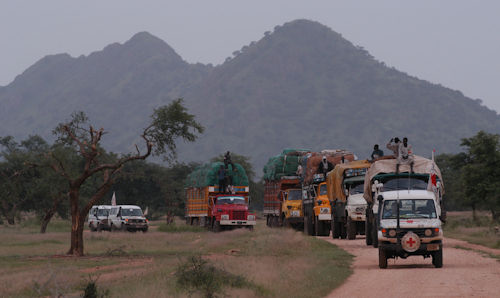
pixel 380 198
pixel 346 192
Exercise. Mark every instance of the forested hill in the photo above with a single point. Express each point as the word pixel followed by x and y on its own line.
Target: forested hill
pixel 302 85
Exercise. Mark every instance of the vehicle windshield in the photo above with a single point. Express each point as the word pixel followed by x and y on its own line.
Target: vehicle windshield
pixel 409 209
pixel 102 212
pixel 404 183
pixel 231 200
pixel 356 188
pixel 322 189
pixel 294 195
pixel 131 212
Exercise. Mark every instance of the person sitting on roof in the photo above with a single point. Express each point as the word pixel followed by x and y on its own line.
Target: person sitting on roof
pixel 405 155
pixel 324 166
pixel 376 152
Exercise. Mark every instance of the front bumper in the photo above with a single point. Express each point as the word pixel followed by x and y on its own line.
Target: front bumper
pixel 394 249
pixel 324 217
pixel 136 226
pixel 237 222
pixel 357 216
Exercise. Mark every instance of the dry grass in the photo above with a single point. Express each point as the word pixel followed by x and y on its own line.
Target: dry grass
pixel 279 262
pixel 460 225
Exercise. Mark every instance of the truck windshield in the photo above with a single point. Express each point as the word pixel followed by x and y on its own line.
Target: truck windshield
pixel 131 212
pixel 322 189
pixel 356 188
pixel 294 194
pixel 404 183
pixel 231 200
pixel 409 209
pixel 102 212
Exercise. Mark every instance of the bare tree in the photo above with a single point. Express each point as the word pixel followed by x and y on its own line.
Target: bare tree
pixel 168 123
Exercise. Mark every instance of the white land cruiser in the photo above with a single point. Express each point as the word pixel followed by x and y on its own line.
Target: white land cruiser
pixel 98 218
pixel 409 225
pixel 356 207
pixel 128 218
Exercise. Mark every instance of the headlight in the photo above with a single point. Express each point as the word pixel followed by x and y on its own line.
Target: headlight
pixel 251 217
pixel 360 209
pixel 392 233
pixel 224 217
pixel 428 233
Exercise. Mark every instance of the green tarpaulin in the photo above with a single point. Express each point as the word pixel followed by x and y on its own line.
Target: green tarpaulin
pixel 284 164
pixel 206 175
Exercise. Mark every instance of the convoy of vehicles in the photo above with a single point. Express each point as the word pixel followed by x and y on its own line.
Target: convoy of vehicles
pixel 345 192
pixel 119 217
pixel 214 208
pixel 405 210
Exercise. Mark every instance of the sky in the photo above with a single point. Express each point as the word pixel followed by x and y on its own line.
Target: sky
pixel 454 43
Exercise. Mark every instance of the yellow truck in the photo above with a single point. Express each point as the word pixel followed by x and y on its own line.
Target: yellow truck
pixel 345 192
pixel 283 202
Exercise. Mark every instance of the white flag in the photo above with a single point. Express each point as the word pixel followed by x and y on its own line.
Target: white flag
pixel 113 199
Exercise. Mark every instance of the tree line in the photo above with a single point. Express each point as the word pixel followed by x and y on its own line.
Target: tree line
pixel 472 177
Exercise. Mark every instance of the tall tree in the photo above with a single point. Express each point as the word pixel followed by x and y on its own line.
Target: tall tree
pixel 482 171
pixel 168 123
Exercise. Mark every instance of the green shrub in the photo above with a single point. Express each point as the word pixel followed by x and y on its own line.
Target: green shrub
pixel 90 290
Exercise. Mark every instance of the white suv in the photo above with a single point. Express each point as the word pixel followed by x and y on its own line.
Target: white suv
pixel 128 218
pixel 98 218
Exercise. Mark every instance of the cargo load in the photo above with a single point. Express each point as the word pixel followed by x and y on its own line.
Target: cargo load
pixel 284 164
pixel 206 175
pixel 311 161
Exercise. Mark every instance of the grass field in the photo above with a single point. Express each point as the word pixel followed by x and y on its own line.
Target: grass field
pixel 272 262
pixel 460 225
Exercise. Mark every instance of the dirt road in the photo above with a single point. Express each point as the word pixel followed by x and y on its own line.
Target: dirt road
pixel 465 273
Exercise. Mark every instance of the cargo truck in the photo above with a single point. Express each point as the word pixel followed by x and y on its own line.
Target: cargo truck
pixel 216 209
pixel 406 210
pixel 345 193
pixel 315 202
pixel 282 189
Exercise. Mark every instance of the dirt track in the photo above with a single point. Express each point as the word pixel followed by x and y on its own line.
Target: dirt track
pixel 465 273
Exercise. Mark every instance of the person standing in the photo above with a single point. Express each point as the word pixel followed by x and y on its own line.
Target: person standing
pixel 393 145
pixel 325 166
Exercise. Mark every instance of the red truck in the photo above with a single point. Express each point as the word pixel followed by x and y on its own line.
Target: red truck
pixel 217 210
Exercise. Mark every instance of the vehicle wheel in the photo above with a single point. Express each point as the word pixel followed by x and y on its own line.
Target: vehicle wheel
pixel 123 228
pixel 112 227
pixel 375 235
pixel 382 258
pixel 250 228
pixel 267 221
pixel 286 223
pixel 91 228
pixel 317 228
pixel 351 229
pixel 99 228
pixel 335 229
pixel 308 225
pixel 187 220
pixel 343 231
pixel 217 227
pixel 437 258
pixel 145 230
pixel 368 233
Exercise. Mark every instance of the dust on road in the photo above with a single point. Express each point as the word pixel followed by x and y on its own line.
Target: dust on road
pixel 465 273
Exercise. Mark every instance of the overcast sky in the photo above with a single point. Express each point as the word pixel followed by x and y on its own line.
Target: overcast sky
pixel 450 42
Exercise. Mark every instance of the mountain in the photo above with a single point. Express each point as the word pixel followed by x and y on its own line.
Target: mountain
pixel 302 85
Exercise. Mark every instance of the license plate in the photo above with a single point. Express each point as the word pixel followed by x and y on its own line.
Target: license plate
pixel 433 246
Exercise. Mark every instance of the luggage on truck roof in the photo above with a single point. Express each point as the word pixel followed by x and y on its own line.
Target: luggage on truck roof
pixel 206 175
pixel 336 176
pixel 421 165
pixel 284 164
pixel 310 161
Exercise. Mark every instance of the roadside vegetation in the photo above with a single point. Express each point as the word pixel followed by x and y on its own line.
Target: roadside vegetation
pixel 483 231
pixel 266 262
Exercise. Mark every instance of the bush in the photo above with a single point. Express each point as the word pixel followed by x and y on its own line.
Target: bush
pixel 198 275
pixel 91 291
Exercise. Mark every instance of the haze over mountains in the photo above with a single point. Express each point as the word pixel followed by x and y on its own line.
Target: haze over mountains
pixel 302 85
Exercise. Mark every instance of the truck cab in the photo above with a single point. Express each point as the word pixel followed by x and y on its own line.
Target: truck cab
pixel 231 211
pixel 409 225
pixel 318 222
pixel 291 207
pixel 355 206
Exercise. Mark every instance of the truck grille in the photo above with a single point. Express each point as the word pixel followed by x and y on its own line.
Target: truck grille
pixel 239 215
pixel 135 220
pixel 419 232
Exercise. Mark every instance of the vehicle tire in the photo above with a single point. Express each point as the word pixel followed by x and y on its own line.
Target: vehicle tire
pixel 308 226
pixel 351 229
pixel 217 227
pixel 267 221
pixel 343 230
pixel 335 229
pixel 286 223
pixel 437 258
pixel 375 235
pixel 317 227
pixel 91 228
pixel 250 228
pixel 368 233
pixel 382 258
pixel 123 228
pixel 112 227
pixel 187 220
pixel 145 230
pixel 99 228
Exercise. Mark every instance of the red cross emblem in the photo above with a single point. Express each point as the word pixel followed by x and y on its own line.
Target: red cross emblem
pixel 411 242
